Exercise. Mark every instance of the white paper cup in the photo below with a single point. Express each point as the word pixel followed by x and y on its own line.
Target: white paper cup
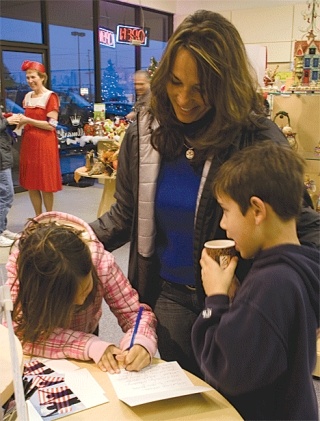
pixel 221 251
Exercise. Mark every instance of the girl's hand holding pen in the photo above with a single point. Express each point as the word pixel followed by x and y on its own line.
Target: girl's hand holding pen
pixel 134 359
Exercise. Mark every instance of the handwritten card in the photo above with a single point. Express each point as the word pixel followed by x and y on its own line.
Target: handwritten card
pixel 153 383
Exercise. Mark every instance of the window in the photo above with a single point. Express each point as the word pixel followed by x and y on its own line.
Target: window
pixel 20 22
pixel 118 63
pixel 71 58
pixel 62 35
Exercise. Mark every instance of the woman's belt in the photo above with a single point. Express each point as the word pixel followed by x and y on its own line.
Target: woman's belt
pixel 181 287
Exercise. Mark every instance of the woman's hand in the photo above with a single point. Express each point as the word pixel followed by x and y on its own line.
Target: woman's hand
pixel 23 120
pixel 216 280
pixel 134 359
pixel 14 119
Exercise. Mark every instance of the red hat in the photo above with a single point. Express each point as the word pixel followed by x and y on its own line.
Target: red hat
pixel 34 65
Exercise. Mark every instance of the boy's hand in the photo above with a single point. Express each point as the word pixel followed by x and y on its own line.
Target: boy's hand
pixel 216 280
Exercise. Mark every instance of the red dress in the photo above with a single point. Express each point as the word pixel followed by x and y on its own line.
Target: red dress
pixel 39 153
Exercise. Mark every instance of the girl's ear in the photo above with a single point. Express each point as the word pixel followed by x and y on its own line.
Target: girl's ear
pixel 258 208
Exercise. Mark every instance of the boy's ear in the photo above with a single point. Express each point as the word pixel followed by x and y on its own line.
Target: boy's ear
pixel 259 209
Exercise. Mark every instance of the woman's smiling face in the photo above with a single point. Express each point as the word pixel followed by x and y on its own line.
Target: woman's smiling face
pixel 184 89
pixel 34 80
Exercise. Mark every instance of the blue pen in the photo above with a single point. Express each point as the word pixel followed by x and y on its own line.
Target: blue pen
pixel 136 326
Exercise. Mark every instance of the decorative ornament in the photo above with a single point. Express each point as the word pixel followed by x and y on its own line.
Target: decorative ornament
pixel 152 67
pixel 307 52
pixel 286 129
pixel 270 77
pixel 310 16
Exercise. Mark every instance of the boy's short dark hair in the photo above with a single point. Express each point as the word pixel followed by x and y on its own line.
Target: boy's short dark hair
pixel 268 170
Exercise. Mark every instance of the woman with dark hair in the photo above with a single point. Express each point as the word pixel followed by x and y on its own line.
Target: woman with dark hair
pixel 59 274
pixel 39 170
pixel 204 107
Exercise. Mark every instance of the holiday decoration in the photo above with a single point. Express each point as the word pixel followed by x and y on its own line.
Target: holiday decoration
pixel 307 52
pixel 111 130
pixel 111 133
pixel 110 87
pixel 269 77
pixel 152 67
pixel 286 129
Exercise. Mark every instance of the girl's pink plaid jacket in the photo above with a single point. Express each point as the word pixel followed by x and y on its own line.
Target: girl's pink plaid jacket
pixel 78 341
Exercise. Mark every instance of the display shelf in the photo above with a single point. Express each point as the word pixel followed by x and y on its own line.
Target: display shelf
pixel 293 92
pixel 304 111
pixel 311 156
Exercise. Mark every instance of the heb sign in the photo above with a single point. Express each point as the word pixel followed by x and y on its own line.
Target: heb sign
pixel 132 35
pixel 107 38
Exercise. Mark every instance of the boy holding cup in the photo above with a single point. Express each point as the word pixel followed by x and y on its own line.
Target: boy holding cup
pixel 260 351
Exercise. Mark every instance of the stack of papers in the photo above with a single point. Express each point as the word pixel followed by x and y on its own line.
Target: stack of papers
pixel 64 389
pixel 61 389
pixel 153 383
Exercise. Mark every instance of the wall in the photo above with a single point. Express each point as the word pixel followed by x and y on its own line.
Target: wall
pixel 277 28
pixel 163 5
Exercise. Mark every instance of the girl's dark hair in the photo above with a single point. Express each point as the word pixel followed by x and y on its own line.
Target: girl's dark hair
pixel 52 261
pixel 226 79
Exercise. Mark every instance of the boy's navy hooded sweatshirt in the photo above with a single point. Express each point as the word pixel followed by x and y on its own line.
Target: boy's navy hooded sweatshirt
pixel 260 351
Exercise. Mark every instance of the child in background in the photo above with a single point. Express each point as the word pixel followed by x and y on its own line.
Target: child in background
pixel 59 273
pixel 260 350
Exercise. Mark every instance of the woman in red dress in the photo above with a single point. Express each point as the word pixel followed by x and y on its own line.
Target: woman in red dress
pixel 39 154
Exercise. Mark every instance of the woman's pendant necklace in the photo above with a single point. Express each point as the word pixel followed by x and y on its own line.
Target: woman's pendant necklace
pixel 189 152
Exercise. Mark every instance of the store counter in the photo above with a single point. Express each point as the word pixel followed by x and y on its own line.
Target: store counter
pixel 209 405
pixel 108 190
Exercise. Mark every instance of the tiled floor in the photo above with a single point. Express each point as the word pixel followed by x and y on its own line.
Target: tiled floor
pixel 84 203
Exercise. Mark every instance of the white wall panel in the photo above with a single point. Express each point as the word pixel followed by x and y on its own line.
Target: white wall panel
pixel 299 24
pixel 264 25
pixel 275 27
pixel 279 52
pixel 163 5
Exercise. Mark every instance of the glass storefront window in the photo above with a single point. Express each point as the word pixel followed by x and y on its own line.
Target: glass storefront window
pixel 159 34
pixel 117 62
pixel 72 61
pixel 20 22
pixel 15 82
pixel 120 61
pixel 61 34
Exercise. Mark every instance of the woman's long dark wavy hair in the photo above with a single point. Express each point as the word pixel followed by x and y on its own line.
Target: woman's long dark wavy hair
pixel 52 261
pixel 226 78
